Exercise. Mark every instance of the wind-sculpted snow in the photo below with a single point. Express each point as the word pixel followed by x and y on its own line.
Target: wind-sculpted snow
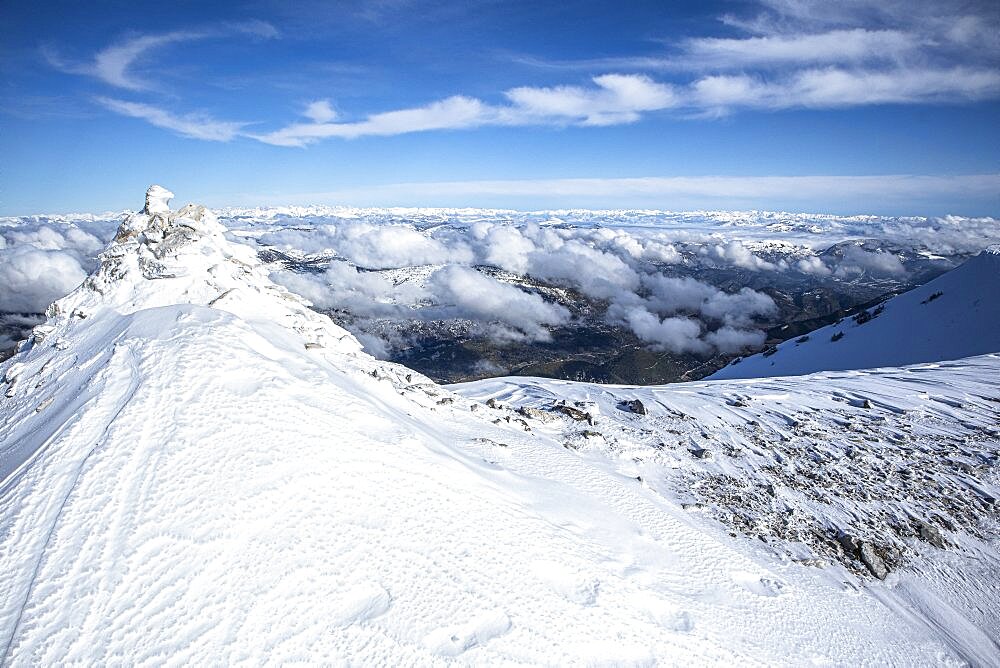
pixel 197 469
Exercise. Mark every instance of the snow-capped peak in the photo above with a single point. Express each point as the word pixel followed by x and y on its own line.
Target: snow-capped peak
pixel 161 257
pixel 156 221
pixel 158 200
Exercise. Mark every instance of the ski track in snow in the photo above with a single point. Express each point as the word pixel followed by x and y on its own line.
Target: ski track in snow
pixel 239 484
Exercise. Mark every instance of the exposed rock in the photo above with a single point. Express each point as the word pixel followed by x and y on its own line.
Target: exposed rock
pixel 812 562
pixel 700 453
pixel 40 332
pixel 13 371
pixel 536 414
pixel 849 545
pixel 574 413
pixel 930 533
pixel 874 562
pixel 633 406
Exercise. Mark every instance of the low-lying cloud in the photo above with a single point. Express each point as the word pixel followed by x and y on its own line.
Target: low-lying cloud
pixel 448 272
pixel 41 262
pixel 857 261
pixel 513 277
pixel 640 276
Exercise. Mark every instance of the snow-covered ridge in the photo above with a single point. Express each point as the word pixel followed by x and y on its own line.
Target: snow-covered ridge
pixel 953 316
pixel 161 257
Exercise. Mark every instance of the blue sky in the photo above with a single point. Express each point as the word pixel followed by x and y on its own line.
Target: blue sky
pixel 888 107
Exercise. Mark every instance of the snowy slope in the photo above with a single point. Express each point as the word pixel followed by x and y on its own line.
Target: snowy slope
pixel 196 469
pixel 905 462
pixel 956 315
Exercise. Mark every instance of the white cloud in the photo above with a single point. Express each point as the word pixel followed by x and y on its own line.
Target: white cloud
pixel 320 111
pixel 113 65
pixel 366 294
pixel 813 265
pixel 391 246
pixel 451 113
pixel 857 260
pixel 830 55
pixel 659 252
pixel 41 262
pixel 254 28
pixel 835 46
pixel 732 340
pixel 483 298
pixel 735 253
pixel 618 98
pixel 613 266
pixel 194 125
pixel 676 334
pixel 794 54
pixel 31 279
pixel 669 295
pixel 836 87
pixel 506 247
pixel 614 99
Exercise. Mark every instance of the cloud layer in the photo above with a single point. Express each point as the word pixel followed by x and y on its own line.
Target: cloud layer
pixel 395 271
pixel 481 269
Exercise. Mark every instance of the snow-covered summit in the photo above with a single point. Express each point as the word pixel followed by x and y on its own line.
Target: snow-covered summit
pixel 954 316
pixel 157 200
pixel 161 257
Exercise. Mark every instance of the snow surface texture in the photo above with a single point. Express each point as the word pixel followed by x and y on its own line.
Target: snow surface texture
pixel 955 315
pixel 197 469
pixel 878 470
